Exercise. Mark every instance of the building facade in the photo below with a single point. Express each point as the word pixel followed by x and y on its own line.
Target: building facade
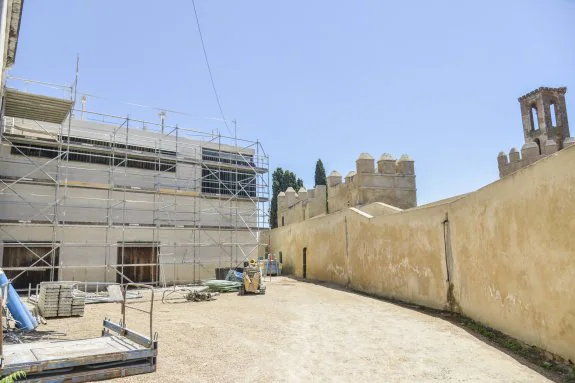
pixel 93 197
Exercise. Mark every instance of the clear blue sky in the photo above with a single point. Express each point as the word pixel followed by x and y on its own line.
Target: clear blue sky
pixel 438 80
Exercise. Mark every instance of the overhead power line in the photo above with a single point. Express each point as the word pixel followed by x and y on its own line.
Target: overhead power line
pixel 209 68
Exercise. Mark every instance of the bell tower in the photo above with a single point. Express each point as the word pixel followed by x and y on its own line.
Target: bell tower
pixel 545 129
pixel 544 116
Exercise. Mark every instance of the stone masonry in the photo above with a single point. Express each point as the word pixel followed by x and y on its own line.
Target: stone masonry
pixel 392 182
pixel 545 129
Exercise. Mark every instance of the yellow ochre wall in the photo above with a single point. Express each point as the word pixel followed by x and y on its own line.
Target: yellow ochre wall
pixel 507 250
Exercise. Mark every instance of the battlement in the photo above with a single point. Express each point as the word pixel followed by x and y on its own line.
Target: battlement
pixel 545 129
pixel 529 154
pixel 392 182
pixel 296 207
pixel 561 90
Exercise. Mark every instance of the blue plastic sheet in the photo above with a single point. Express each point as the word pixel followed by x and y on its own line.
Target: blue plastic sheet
pixel 19 312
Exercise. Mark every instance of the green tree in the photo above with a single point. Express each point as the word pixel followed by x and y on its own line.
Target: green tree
pixel 281 180
pixel 320 177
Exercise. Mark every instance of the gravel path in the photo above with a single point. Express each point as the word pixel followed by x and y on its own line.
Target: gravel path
pixel 301 332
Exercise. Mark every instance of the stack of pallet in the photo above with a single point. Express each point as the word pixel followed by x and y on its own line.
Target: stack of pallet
pixel 60 300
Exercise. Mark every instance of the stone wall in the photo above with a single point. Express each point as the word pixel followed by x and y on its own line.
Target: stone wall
pixel 392 183
pixel 530 153
pixel 503 255
pixel 545 129
pixel 305 204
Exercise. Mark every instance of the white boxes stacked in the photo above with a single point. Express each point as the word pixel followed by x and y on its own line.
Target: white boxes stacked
pixel 60 300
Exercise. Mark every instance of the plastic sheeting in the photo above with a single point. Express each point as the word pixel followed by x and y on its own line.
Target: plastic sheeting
pixel 19 312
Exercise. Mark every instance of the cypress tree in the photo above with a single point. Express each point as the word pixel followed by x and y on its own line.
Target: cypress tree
pixel 320 177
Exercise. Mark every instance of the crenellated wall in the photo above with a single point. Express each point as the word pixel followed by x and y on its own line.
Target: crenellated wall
pixel 391 182
pixel 545 129
pixel 528 155
pixel 305 204
pixel 503 255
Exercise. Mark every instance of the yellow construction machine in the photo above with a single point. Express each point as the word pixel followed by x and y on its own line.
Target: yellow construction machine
pixel 252 281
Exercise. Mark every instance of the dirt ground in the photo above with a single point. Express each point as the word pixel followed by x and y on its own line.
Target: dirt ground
pixel 304 332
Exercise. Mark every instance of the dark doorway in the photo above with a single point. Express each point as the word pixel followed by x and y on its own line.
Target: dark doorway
pixel 140 263
pixel 18 258
pixel 281 257
pixel 538 144
pixel 304 262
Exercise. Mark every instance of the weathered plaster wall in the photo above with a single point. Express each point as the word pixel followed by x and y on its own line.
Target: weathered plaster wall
pixel 340 197
pixel 505 257
pixel 400 256
pixel 326 258
pixel 305 204
pixel 397 256
pixel 379 208
pixel 317 202
pixel 514 254
pixel 293 214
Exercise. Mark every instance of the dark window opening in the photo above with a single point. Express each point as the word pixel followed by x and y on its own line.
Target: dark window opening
pixel 283 223
pixel 227 157
pixel 18 258
pixel 108 144
pixel 32 150
pixel 140 264
pixel 229 182
pixel 281 257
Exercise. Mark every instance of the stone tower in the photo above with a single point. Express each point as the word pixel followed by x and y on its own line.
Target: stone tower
pixel 545 129
pixel 544 116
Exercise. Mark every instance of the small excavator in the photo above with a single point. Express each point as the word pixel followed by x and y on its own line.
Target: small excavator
pixel 252 281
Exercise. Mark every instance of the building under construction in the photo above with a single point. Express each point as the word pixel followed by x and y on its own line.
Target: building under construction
pixel 121 199
pixel 92 197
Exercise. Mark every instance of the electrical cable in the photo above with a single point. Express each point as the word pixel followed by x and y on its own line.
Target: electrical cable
pixel 209 68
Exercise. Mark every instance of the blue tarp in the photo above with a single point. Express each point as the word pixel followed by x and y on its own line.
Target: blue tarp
pixel 234 276
pixel 19 312
pixel 271 267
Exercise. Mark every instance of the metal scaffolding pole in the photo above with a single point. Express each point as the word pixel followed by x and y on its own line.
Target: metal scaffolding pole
pixel 207 201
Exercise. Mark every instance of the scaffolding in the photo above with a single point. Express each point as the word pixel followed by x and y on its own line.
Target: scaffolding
pixel 104 185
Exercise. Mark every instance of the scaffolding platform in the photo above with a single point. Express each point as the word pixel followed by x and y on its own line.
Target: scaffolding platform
pixel 109 356
pixel 118 352
pixel 92 196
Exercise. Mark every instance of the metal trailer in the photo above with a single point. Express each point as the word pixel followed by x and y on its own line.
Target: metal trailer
pixel 118 352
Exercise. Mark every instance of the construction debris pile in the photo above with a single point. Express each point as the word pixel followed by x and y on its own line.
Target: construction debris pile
pixel 60 300
pixel 199 296
pixel 189 293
